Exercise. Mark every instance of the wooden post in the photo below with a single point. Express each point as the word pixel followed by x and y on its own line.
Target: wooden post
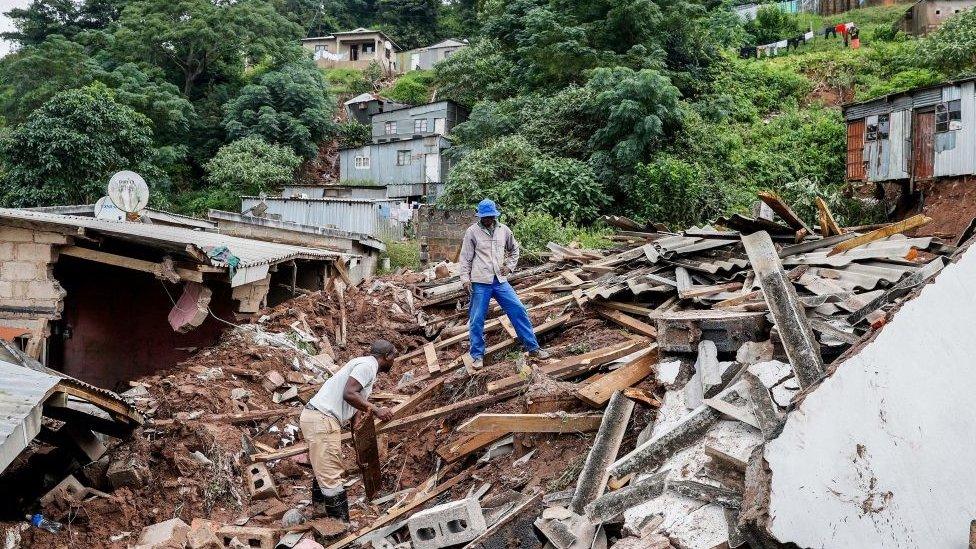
pixel 367 454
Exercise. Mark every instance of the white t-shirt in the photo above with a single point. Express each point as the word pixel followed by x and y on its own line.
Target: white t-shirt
pixel 329 399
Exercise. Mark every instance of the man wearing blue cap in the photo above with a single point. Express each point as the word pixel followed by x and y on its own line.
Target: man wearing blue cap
pixel 489 253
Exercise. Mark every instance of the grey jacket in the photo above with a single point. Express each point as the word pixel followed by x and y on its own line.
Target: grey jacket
pixel 483 255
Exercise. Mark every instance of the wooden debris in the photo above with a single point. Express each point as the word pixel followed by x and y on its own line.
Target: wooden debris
pixel 877 234
pixel 532 423
pixel 597 394
pixel 629 322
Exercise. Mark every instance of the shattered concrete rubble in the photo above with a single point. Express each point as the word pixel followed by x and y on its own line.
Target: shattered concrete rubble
pixel 703 386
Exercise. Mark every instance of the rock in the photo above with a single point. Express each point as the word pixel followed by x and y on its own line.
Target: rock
pixel 125 473
pixel 292 517
pixel 239 393
pixel 201 458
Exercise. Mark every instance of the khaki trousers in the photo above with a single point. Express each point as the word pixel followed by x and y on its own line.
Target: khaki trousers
pixel 323 434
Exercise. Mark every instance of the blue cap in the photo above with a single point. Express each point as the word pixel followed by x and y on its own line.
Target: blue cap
pixel 487 208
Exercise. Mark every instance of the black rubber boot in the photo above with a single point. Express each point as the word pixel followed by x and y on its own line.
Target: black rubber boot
pixel 337 506
pixel 317 495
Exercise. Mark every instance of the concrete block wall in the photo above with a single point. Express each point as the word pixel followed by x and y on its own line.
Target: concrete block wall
pixel 26 262
pixel 443 230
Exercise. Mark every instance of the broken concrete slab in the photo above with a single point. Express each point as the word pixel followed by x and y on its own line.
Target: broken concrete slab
pixel 611 505
pixel 593 478
pixel 705 492
pixel 880 445
pixel 771 372
pixel 704 527
pixel 784 392
pixel 67 491
pixel 791 321
pixel 667 372
pixel 681 331
pixel 753 352
pixel 125 473
pixel 763 406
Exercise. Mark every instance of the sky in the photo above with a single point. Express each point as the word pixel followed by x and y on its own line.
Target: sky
pixel 5 6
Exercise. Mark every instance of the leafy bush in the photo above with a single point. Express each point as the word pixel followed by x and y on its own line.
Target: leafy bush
pixel 514 172
pixel 534 230
pixel 346 81
pixel 772 24
pixel 247 166
pixel 413 88
pixel 353 134
pixel 952 48
pixel 673 191
pixel 403 253
pixel 902 81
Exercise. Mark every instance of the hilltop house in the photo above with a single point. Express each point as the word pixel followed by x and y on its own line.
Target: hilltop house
pixel 926 16
pixel 918 135
pixel 407 148
pixel 426 58
pixel 354 49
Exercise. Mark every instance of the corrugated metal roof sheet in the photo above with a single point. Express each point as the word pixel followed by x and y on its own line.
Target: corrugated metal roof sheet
pixel 22 395
pixel 251 252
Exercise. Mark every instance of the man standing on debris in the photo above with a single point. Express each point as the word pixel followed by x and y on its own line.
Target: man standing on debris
pixel 489 253
pixel 342 398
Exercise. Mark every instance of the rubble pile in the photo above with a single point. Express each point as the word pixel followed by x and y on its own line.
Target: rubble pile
pixel 676 356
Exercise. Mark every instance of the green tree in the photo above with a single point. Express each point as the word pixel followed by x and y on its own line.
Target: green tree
pixel 43 18
pixel 290 106
pixel 772 24
pixel 200 42
pixel 247 166
pixel 952 48
pixel 640 108
pixel 476 73
pixel 66 150
pixel 31 76
pixel 412 23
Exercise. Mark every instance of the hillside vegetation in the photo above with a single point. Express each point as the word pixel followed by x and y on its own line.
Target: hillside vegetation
pixel 581 108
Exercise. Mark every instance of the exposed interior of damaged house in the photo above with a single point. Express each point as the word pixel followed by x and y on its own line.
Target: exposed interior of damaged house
pixel 109 301
pixel 30 392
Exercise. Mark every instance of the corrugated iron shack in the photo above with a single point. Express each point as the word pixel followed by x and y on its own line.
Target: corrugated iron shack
pixel 917 135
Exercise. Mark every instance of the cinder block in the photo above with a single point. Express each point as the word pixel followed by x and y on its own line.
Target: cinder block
pixel 122 473
pixel 31 251
pixel 203 535
pixel 45 289
pixel 260 483
pixel 7 250
pixel 16 234
pixel 448 524
pixel 6 289
pixel 18 270
pixel 170 534
pixel 257 538
pixel 50 238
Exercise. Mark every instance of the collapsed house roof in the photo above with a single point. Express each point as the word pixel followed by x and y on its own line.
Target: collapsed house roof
pixel 156 216
pixel 28 390
pixel 255 256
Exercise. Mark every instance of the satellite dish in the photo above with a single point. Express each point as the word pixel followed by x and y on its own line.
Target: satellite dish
pixel 128 191
pixel 107 211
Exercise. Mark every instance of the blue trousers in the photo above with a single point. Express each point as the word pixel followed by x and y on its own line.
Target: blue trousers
pixel 504 294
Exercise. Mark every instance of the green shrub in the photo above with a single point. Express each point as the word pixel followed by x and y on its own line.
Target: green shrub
pixel 346 81
pixel 353 134
pixel 772 24
pixel 534 230
pixel 413 88
pixel 247 166
pixel 403 253
pixel 673 191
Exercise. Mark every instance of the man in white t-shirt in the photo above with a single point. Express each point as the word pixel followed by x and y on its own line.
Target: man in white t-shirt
pixel 342 398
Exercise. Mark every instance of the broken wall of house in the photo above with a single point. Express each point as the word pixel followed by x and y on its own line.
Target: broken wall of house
pixel 29 294
pixel 443 230
pixel 881 453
